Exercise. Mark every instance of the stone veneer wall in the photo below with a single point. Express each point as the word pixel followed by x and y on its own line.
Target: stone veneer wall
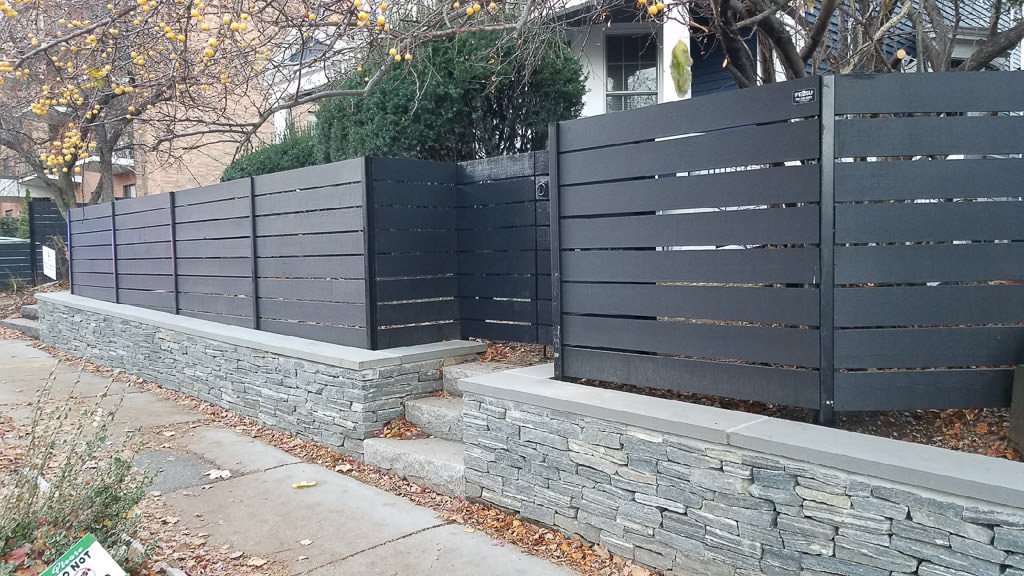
pixel 335 401
pixel 673 501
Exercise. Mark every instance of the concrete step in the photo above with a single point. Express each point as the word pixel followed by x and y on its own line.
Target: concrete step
pixel 27 327
pixel 432 462
pixel 452 374
pixel 440 417
pixel 30 311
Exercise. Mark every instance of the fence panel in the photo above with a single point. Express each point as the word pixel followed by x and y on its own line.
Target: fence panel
pixel 46 228
pixel 929 281
pixel 15 262
pixel 92 252
pixel 414 245
pixel 144 249
pixel 504 251
pixel 688 246
pixel 310 246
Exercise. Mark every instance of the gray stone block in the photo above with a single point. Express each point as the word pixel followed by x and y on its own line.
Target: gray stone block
pixel 653 559
pixel 919 501
pixel 977 549
pixel 990 514
pixel 880 507
pixel 807 544
pixel 763 536
pixel 929 569
pixel 712 521
pixel 719 481
pixel 784 496
pixel 835 500
pixel 438 464
pixel 916 531
pixel 871 555
pixel 952 525
pixel 945 557
pixel 692 460
pixel 636 514
pixel 839 566
pixel 756 518
pixel 681 525
pixel 847 518
pixel 1009 539
pixel 807 527
pixel 691 546
pixel 543 438
pixel 617 544
pixel 741 501
pixel 876 539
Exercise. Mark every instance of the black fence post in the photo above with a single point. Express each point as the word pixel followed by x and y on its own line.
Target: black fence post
pixel 826 247
pixel 370 260
pixel 113 249
pixel 174 249
pixel 67 247
pixel 556 249
pixel 32 243
pixel 252 255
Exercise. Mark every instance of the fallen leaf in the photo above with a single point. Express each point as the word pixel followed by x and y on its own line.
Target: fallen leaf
pixel 256 561
pixel 170 433
pixel 235 555
pixel 345 467
pixel 469 529
pixel 170 519
pixel 305 542
pixel 301 558
pixel 218 474
pixel 305 484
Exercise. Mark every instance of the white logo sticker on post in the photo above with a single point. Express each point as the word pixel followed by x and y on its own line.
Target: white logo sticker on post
pixel 50 262
pixel 87 558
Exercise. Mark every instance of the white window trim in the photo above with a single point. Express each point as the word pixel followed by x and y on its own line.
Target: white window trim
pixel 632 29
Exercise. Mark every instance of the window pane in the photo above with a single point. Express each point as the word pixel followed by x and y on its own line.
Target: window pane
pixel 614 82
pixel 645 80
pixel 613 49
pixel 615 103
pixel 648 50
pixel 638 101
pixel 631 48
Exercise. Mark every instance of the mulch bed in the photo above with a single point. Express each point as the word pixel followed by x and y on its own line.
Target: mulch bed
pixel 978 431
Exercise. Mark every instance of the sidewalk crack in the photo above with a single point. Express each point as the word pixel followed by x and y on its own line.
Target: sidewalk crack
pixel 374 547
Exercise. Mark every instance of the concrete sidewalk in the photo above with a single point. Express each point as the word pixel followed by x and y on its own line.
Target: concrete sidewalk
pixel 355 528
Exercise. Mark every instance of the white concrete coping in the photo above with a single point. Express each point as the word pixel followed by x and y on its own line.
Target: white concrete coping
pixel 322 352
pixel 957 473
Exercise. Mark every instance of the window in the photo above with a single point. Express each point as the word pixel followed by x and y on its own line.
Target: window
pixel 9 212
pixel 311 118
pixel 129 191
pixel 632 80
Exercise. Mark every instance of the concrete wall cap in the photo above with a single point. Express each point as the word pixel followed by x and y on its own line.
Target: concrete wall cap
pixel 967 475
pixel 321 352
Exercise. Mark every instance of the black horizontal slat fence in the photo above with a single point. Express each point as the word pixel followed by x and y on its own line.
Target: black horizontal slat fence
pixel 21 261
pixel 837 243
pixel 370 252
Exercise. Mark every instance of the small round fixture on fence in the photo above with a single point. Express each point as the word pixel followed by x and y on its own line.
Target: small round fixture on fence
pixel 542 189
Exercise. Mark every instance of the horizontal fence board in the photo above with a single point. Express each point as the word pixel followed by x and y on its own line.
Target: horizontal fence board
pixel 334 313
pixel 142 204
pixel 101 266
pixel 146 298
pixel 409 170
pixel 103 252
pixel 929 135
pixel 91 239
pixel 347 243
pixel 929 347
pixel 219 248
pixel 351 291
pixel 404 289
pixel 413 218
pixel 500 167
pixel 749 145
pixel 99 280
pixel 412 335
pixel 98 210
pixel 863 223
pixel 929 263
pixel 793 306
pixel 344 335
pixel 240 321
pixel 97 225
pixel 924 179
pixel 746 382
pixel 760 105
pixel 148 251
pixel 212 193
pixel 342 220
pixel 143 219
pixel 76 214
pixel 235 228
pixel 149 266
pixel 145 282
pixel 97 292
pixel 500 192
pixel 754 266
pixel 929 305
pixel 395 314
pixel 414 194
pixel 482 241
pixel 213 211
pixel 778 185
pixel 500 216
pixel 143 235
pixel 936 92
pixel 312 267
pixel 310 177
pixel 499 263
pixel 769 226
pixel 218 285
pixel 409 265
pixel 415 241
pixel 500 286
pixel 791 346
pixel 330 197
pixel 500 331
pixel 502 310
pixel 215 267
pixel 923 389
pixel 216 304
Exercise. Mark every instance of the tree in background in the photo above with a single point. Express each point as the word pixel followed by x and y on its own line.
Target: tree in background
pixel 295 150
pixel 465 97
pixel 23 223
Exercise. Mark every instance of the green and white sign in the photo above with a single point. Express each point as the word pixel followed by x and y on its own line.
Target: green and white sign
pixel 87 558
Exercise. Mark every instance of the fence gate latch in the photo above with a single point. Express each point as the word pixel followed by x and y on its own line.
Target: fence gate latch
pixel 543 191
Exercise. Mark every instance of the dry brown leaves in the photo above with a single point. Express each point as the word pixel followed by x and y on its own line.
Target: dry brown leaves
pixel 503 527
pixel 11 302
pixel 400 429
pixel 515 353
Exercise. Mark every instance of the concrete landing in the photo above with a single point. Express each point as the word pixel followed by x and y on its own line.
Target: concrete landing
pixel 439 417
pixel 452 374
pixel 432 462
pixel 26 326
